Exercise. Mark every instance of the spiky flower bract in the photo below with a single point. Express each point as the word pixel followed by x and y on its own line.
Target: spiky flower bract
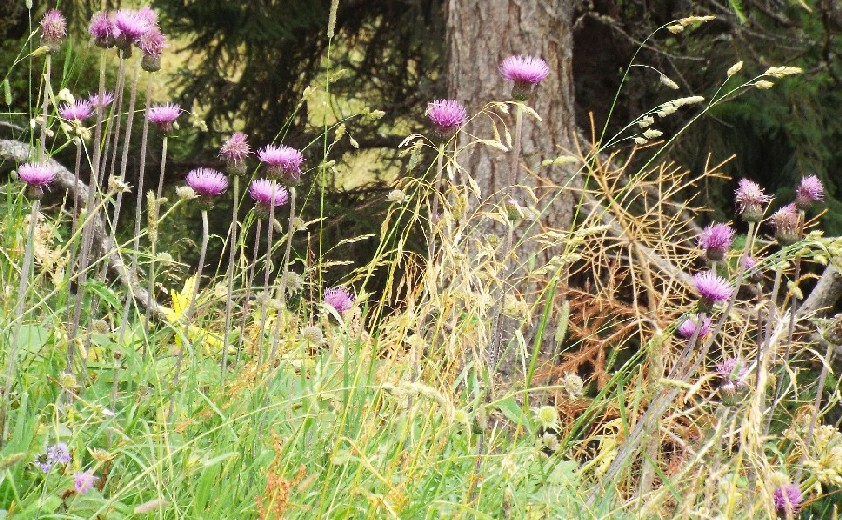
pixel 448 115
pixel 788 499
pixel 164 116
pixel 688 327
pixel 809 191
pixel 715 240
pixel 751 200
pixel 339 298
pixel 53 29
pixel 526 72
pixel 102 29
pixel 712 288
pixel 83 481
pixel 267 192
pixel 786 223
pixel 207 182
pixel 79 110
pixel 283 162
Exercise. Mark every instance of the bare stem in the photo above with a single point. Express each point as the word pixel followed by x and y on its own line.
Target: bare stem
pixel 188 313
pixel 21 299
pixel 232 255
pixel 284 273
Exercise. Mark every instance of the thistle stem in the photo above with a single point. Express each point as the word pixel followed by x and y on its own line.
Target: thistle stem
pixel 188 313
pixel 266 271
pixel 285 273
pixel 232 255
pixel 19 305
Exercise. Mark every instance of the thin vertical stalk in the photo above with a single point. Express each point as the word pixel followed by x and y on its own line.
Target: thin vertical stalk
pixel 497 315
pixel 189 312
pixel 266 271
pixel 284 272
pixel 232 255
pixel 815 415
pixel 124 159
pixel 153 237
pixel 434 211
pixel 45 107
pixel 19 305
pixel 249 281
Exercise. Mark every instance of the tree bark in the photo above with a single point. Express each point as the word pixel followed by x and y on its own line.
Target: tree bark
pixel 480 34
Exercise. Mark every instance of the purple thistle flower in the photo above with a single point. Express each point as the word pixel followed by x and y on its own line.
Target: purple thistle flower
pixel 688 327
pixel 339 298
pixel 147 14
pixel 130 26
pixel 42 462
pixel 235 149
pixel 53 29
pixel 788 499
pixel 266 192
pixel 712 288
pixel 748 262
pixel 786 223
pixel 106 99
pixel 79 110
pixel 58 453
pixel 715 240
pixel 751 200
pixel 83 481
pixel 36 175
pixel 102 29
pixel 152 43
pixel 164 116
pixel 207 182
pixel 733 369
pixel 525 71
pixel 448 115
pixel 282 161
pixel 809 191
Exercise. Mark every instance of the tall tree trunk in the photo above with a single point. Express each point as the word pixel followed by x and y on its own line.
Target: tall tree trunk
pixel 480 33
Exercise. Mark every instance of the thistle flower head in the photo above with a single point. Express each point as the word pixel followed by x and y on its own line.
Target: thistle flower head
pixel 130 25
pixel 751 200
pixel 83 481
pixel 312 335
pixel 207 182
pixel 58 453
pixel 712 288
pixel 809 191
pixel 152 43
pixel 79 110
pixel 282 161
pixel 448 115
pixel 526 71
pixel 688 327
pixel 36 175
pixel 101 101
pixel 236 148
pixel 102 29
pixel 785 221
pixel 147 14
pixel 53 29
pixel 339 298
pixel 164 116
pixel 267 193
pixel 715 240
pixel 733 369
pixel 788 499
